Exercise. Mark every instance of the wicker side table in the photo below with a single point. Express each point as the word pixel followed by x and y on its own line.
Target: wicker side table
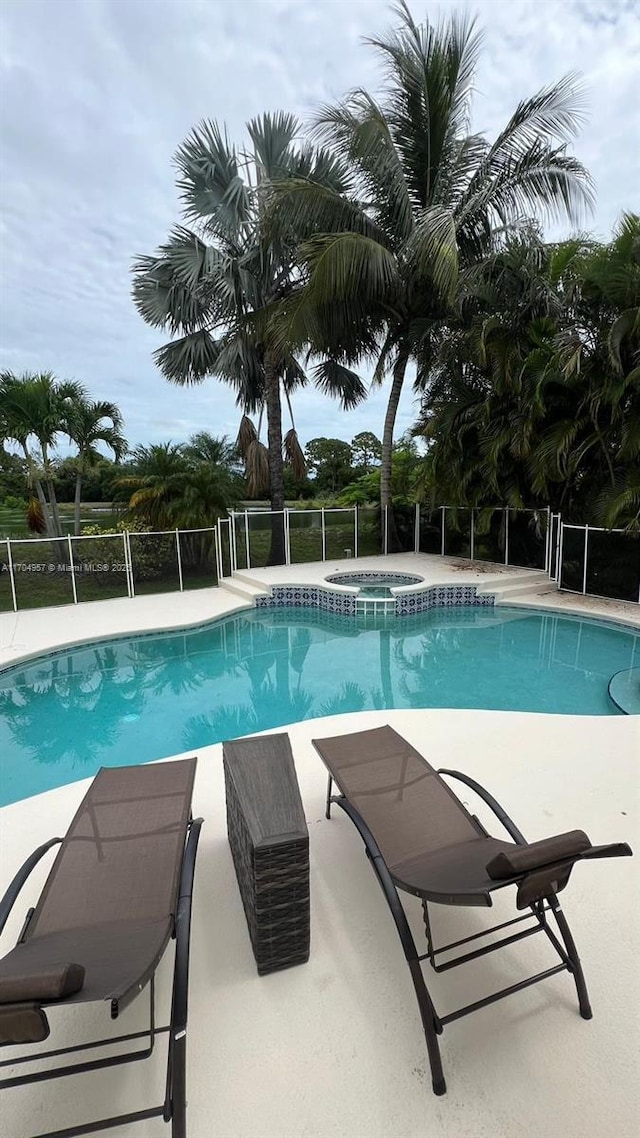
pixel 270 846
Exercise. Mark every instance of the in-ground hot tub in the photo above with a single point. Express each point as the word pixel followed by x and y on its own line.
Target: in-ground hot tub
pixel 375 584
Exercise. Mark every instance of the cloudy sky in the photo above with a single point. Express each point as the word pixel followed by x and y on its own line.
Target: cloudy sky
pixel 97 94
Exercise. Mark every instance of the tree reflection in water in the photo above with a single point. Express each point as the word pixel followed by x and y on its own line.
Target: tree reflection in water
pixel 104 689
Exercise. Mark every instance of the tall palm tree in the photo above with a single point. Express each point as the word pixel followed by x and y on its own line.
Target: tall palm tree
pixel 33 412
pixel 380 263
pixel 88 422
pixel 211 286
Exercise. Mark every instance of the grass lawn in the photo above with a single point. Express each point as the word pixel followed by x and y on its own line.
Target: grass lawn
pixel 13 522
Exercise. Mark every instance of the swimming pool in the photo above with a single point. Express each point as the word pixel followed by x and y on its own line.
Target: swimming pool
pixel 145 697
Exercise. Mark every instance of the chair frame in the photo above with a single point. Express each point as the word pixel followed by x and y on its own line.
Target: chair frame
pixel 174 1107
pixel 434 1024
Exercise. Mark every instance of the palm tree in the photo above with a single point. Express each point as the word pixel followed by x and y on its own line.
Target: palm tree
pixel 535 398
pixel 35 407
pixel 170 486
pixel 88 422
pixel 212 286
pixel 380 264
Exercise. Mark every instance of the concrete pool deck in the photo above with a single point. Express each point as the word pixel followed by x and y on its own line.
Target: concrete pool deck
pixel 334 1047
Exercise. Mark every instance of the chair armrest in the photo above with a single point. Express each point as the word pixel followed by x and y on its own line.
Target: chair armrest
pixel 11 895
pixel 491 802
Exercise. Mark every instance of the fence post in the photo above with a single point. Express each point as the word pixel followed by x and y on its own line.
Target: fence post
pixel 233 560
pixel 128 563
pixel 385 545
pixel 584 571
pixel 442 517
pixel 73 573
pixel 246 538
pixel 547 545
pixel 416 536
pixel 506 536
pixel 218 544
pixel 355 531
pixel 179 559
pixel 287 534
pixel 472 536
pixel 12 578
pixel 560 551
pixel 324 534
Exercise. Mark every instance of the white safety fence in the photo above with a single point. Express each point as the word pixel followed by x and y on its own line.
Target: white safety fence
pixel 70 570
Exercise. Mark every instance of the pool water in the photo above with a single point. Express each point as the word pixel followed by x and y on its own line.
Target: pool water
pixel 147 697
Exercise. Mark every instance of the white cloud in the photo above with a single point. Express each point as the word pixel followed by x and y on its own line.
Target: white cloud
pixel 97 96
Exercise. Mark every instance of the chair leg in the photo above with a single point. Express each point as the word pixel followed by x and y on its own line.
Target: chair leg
pixel 179 1089
pixel 427 1015
pixel 572 953
pixel 327 812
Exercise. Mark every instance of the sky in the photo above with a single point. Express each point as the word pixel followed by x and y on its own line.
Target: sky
pixel 96 95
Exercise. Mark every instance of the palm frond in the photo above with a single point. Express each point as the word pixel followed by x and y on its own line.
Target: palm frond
pixel 294 455
pixel 188 360
pixel 333 378
pixel 247 435
pixel 257 469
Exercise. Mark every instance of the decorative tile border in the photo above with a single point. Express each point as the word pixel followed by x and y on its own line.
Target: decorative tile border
pixel 310 596
pixel 438 596
pixel 347 604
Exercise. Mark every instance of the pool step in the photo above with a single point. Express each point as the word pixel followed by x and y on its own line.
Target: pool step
pixel 509 589
pixel 243 587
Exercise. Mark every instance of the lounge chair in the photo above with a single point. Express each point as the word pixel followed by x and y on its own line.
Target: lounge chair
pixel 119 889
pixel 420 838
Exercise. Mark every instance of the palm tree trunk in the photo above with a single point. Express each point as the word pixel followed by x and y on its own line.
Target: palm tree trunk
pixel 399 370
pixel 37 485
pixel 276 466
pixel 77 501
pixel 53 502
pixel 44 505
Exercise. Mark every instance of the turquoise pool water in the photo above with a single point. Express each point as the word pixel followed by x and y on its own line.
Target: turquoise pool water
pixel 146 697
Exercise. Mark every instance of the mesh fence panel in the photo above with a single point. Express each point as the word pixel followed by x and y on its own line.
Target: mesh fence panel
pixel 99 565
pixel 305 536
pixel 527 538
pixel 340 534
pixel 42 573
pixel 489 533
pixel 239 530
pixel 6 596
pixel 198 558
pixel 370 537
pixel 401 529
pixel 154 563
pixel 571 575
pixel 457 532
pixel 260 529
pixel 430 537
pixel 613 565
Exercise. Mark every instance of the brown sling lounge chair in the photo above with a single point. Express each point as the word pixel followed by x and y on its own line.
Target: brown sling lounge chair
pixel 420 838
pixel 119 889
